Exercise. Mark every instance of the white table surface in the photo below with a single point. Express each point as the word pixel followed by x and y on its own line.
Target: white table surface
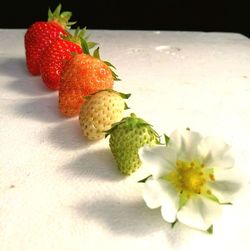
pixel 60 192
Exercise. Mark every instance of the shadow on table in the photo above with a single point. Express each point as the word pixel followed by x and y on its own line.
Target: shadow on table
pixel 15 66
pixel 130 218
pixel 42 109
pixel 67 134
pixel 23 82
pixel 96 164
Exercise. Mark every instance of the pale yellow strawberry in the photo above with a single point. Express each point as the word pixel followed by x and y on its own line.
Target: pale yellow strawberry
pixel 100 111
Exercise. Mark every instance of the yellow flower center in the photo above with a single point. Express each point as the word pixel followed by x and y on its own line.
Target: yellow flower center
pixel 190 177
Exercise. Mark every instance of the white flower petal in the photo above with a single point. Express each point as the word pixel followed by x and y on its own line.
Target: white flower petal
pixel 199 213
pixel 152 193
pixel 140 174
pixel 185 143
pixel 223 162
pixel 225 191
pixel 231 174
pixel 215 153
pixel 213 145
pixel 159 159
pixel 228 183
pixel 169 211
pixel 159 192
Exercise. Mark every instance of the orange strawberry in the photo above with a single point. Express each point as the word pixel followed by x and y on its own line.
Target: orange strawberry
pixel 81 76
pixel 41 34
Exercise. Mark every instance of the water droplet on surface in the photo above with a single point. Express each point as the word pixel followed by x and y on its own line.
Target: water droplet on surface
pixel 163 48
pixel 167 49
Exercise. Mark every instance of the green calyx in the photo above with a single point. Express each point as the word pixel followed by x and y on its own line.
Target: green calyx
pixel 96 54
pixel 144 180
pixel 166 138
pixel 61 18
pixel 210 230
pixel 122 95
pixel 79 36
pixel 133 122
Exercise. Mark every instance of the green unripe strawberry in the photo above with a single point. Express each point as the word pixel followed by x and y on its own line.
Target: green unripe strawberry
pixel 126 138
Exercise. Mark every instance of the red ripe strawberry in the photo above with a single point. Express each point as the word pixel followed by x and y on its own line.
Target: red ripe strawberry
pixel 81 76
pixel 56 55
pixel 41 34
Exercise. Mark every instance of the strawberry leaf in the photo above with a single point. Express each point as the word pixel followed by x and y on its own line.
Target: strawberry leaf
pixel 71 23
pixel 85 46
pixel 124 96
pixel 109 64
pixel 166 139
pixel 50 14
pixel 92 44
pixel 66 14
pixel 96 53
pixel 126 106
pixel 77 30
pixel 212 197
pixel 210 229
pixel 226 203
pixel 79 38
pixel 173 224
pixel 144 180
pixel 60 18
pixel 87 37
pixel 82 32
pixel 57 11
pixel 115 76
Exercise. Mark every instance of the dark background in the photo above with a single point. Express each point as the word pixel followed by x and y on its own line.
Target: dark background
pixel 187 15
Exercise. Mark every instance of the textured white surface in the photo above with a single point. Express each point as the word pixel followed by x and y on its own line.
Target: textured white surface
pixel 59 192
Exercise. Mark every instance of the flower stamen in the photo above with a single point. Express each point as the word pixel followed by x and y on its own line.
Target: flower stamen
pixel 190 177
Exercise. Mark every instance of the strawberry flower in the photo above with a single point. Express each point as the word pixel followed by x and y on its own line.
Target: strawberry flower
pixel 191 178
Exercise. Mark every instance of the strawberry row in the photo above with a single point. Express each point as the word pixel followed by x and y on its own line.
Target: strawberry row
pixel 85 85
pixel 183 176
